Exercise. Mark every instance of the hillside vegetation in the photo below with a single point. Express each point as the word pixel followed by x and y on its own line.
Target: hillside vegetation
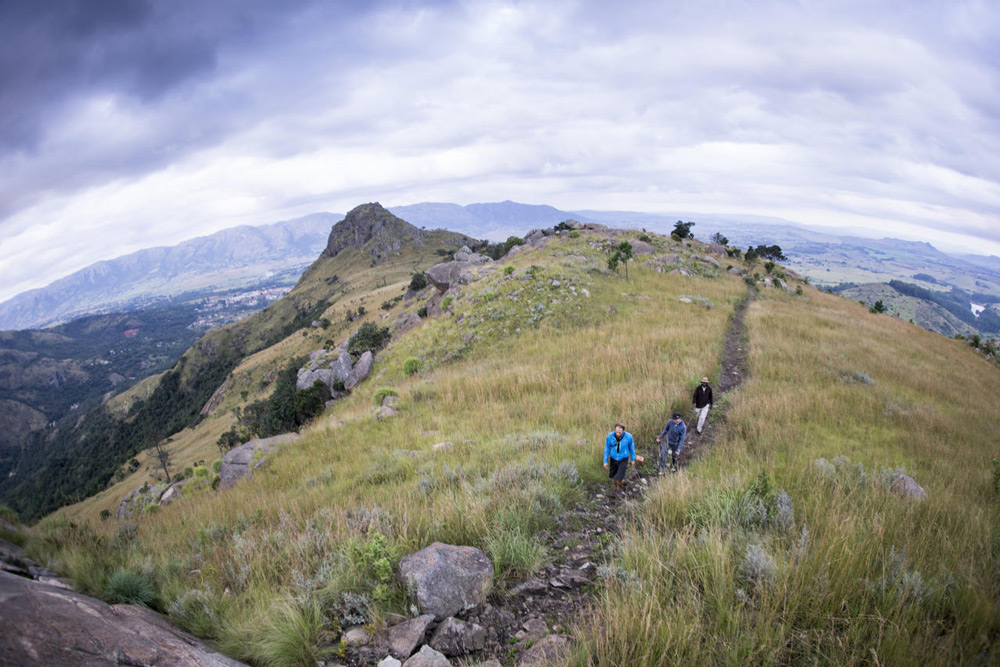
pixel 720 567
pixel 781 544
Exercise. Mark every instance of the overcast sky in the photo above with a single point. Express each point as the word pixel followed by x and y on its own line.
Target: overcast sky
pixel 126 124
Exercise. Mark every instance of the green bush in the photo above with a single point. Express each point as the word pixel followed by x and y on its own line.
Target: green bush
pixel 217 466
pixel 508 270
pixel 382 392
pixel 411 366
pixel 422 311
pixel 573 234
pixel 310 402
pixel 646 238
pixel 8 514
pixel 418 281
pixel 127 587
pixel 369 336
pixel 446 302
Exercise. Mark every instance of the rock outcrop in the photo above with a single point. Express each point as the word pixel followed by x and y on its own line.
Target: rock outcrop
pixel 445 275
pixel 907 487
pixel 372 223
pixel 446 580
pixel 44 625
pixel 241 461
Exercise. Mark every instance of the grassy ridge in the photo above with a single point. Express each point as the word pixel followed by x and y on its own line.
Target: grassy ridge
pixel 840 570
pixel 322 525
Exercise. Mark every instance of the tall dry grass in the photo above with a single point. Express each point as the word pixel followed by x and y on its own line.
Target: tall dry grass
pixel 838 401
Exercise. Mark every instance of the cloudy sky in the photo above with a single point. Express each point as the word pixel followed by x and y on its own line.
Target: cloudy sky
pixel 126 124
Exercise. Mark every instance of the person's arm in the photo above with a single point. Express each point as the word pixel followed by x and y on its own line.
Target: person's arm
pixel 631 449
pixel 711 401
pixel 683 429
pixel 663 432
pixel 607 449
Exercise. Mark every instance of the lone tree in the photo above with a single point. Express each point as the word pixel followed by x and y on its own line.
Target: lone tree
pixel 717 237
pixel 622 254
pixel 879 307
pixel 682 230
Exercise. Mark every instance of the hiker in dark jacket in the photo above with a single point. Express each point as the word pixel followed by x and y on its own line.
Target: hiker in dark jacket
pixel 702 402
pixel 619 451
pixel 674 432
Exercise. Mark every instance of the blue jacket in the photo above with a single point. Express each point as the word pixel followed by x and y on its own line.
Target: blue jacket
pixel 624 450
pixel 675 434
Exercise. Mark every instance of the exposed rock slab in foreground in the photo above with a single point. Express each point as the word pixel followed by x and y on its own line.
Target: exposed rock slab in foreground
pixel 446 579
pixel 243 460
pixel 43 625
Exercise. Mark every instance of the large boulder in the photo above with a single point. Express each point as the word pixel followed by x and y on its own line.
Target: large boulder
pixel 361 370
pixel 641 248
pixel 241 461
pixel 44 625
pixel 446 274
pixel 447 579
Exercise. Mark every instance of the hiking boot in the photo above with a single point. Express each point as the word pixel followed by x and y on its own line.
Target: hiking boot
pixel 673 469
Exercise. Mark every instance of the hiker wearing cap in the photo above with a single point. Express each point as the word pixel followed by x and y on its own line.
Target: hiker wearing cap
pixel 619 451
pixel 674 432
pixel 702 402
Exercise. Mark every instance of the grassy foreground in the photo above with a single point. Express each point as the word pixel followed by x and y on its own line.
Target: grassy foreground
pixel 273 569
pixel 784 544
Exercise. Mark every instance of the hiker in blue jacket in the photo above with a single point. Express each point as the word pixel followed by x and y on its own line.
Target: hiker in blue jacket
pixel 675 431
pixel 619 451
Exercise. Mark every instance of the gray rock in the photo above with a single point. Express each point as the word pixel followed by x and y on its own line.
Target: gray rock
pixel 671 258
pixel 441 447
pixel 463 254
pixel 389 661
pixel 390 401
pixel 405 322
pixel 716 249
pixel 907 487
pixel 444 275
pixel 357 636
pixel 341 368
pixel 708 260
pixel 408 635
pixel 386 412
pixel 427 657
pixel 43 625
pixel 10 551
pixel 641 248
pixel 734 271
pixel 446 579
pixel 534 237
pixel 241 461
pixel 547 650
pixel 685 299
pixel 454 637
pixel 532 587
pixel 361 370
pixel 172 493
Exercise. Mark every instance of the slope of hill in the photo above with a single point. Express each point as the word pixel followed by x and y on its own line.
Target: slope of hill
pixel 233 258
pixel 78 458
pixel 50 374
pixel 782 542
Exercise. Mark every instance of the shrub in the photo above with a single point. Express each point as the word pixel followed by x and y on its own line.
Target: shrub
pixel 422 311
pixel 646 238
pixel 574 234
pixel 682 230
pixel 996 475
pixel 217 466
pixel 418 281
pixel 508 270
pixel 369 336
pixel 382 392
pixel 514 551
pixel 8 514
pixel 127 587
pixel 446 302
pixel 717 237
pixel 105 514
pixel 295 635
pixel 310 402
pixel 411 366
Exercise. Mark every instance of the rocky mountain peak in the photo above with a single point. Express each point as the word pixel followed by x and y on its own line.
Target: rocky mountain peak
pixel 372 222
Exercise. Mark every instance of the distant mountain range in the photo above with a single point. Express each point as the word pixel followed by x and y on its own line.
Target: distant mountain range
pixel 237 257
pixel 278 253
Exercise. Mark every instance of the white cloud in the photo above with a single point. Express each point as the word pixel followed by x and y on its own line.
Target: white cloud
pixel 821 114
